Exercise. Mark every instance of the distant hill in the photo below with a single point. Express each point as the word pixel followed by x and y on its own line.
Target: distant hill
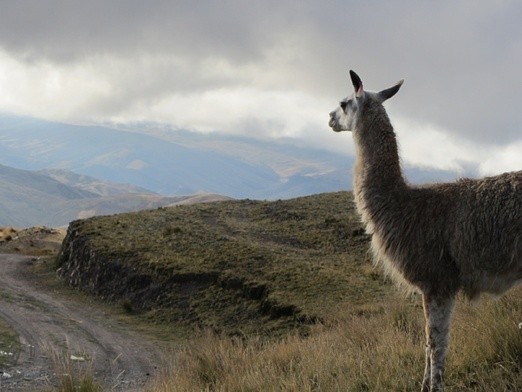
pixel 55 198
pixel 92 185
pixel 177 162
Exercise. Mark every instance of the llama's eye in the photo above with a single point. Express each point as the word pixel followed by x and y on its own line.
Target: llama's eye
pixel 343 105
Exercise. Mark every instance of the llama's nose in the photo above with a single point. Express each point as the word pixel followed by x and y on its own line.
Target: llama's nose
pixel 332 119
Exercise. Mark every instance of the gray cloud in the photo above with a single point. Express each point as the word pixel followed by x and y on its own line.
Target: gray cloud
pixel 461 60
pixel 70 30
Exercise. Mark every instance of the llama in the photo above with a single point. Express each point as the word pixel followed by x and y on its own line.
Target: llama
pixel 441 239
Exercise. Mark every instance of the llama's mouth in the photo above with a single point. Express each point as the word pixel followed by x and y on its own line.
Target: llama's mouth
pixel 335 127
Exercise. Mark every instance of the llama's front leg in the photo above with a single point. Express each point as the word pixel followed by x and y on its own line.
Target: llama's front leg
pixel 437 310
pixel 427 365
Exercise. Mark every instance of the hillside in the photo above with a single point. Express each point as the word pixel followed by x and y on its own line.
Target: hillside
pixel 54 198
pixel 92 185
pixel 247 266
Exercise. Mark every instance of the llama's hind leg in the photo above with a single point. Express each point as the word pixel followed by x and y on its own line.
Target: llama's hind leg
pixel 437 311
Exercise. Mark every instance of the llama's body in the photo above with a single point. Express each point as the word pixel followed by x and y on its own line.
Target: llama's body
pixel 444 238
pixel 471 250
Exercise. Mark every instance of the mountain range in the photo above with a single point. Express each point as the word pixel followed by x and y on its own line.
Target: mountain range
pixel 135 165
pixel 163 166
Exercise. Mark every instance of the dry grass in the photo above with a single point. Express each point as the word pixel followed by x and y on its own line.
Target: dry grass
pixel 486 351
pixel 34 241
pixel 73 371
pixel 368 352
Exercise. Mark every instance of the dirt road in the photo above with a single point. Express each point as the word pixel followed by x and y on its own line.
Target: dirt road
pixel 50 326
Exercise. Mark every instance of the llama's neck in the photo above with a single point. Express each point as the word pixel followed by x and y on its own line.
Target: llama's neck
pixel 378 179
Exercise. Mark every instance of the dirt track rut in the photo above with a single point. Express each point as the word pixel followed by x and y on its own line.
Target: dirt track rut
pixel 48 325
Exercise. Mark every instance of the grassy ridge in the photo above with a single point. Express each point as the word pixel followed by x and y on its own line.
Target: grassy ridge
pixel 246 265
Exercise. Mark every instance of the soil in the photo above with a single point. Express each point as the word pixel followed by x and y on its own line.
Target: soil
pixel 35 241
pixel 61 336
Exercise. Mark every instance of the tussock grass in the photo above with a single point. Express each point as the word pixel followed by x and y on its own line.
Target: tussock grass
pixel 352 355
pixel 486 345
pixel 376 351
pixel 72 375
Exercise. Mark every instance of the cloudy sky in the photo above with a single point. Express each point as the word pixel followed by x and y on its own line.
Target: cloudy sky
pixel 274 69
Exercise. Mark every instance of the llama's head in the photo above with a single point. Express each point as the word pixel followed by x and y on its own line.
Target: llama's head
pixel 346 116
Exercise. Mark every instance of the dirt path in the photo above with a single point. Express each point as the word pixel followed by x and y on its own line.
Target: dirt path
pixel 50 326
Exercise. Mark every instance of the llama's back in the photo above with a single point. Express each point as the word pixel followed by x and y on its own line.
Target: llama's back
pixel 486 238
pixel 465 235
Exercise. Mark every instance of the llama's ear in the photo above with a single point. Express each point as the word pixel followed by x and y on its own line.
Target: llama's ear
pixel 390 92
pixel 357 84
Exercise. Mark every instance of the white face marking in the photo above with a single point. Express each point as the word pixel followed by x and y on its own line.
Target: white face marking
pixel 344 117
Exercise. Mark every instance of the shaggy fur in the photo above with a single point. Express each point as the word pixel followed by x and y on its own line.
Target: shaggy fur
pixel 441 239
